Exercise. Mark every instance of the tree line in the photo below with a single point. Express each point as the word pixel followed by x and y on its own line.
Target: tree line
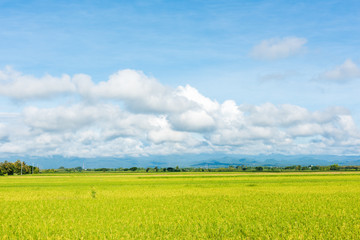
pixel 239 168
pixel 20 167
pixel 17 168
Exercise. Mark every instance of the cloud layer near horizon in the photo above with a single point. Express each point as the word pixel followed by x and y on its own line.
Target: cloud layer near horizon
pixel 132 114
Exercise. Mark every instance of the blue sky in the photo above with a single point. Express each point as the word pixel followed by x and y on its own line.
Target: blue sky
pixel 187 76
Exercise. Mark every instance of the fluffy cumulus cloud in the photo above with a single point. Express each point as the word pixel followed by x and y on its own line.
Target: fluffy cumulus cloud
pixel 196 121
pixel 342 73
pixel 277 48
pixel 21 87
pixel 138 91
pixel 132 114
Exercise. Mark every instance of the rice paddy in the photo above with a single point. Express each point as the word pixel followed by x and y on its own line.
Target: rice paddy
pixel 180 206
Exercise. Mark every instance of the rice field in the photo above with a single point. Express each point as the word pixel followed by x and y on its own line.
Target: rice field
pixel 180 206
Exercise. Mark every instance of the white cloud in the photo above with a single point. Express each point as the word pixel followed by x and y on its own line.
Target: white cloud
pixel 17 86
pixel 166 135
pixel 3 132
pixel 161 131
pixel 306 130
pixel 12 148
pixel 230 114
pixel 163 120
pixel 193 121
pixel 193 95
pixel 277 48
pixel 270 115
pixel 342 73
pixel 279 127
pixel 61 118
pixel 138 91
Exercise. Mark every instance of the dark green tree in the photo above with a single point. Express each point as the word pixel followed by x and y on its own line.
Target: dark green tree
pixel 334 167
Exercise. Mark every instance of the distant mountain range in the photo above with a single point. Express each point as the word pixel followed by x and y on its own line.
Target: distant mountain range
pixel 191 160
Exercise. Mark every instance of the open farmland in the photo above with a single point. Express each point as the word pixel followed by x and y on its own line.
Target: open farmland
pixel 180 206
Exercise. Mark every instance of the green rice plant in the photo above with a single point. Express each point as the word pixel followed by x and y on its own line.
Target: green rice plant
pixel 93 193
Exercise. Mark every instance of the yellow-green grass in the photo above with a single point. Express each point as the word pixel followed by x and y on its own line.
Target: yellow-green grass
pixel 180 206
